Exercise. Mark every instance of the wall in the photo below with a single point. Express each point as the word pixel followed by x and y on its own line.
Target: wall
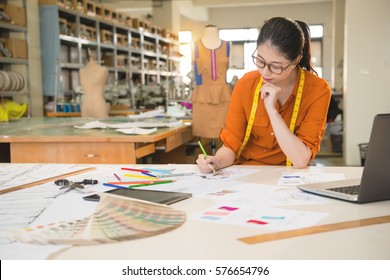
pixel 366 70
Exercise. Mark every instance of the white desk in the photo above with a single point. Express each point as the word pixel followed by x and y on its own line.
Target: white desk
pixel 205 240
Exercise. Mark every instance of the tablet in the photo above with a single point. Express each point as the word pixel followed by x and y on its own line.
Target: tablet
pixel 162 197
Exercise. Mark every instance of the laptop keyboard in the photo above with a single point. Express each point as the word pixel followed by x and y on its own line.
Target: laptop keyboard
pixel 352 190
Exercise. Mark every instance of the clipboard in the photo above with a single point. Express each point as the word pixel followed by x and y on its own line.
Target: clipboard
pixel 162 197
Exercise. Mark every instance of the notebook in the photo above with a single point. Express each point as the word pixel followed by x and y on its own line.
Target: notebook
pixel 162 197
pixel 374 185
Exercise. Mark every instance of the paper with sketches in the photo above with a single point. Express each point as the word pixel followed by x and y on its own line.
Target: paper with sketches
pixel 297 178
pixel 199 184
pixel 137 130
pixel 258 216
pixel 23 173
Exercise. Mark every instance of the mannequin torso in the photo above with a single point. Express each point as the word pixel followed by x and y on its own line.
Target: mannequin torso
pixel 93 79
pixel 211 95
pixel 211 38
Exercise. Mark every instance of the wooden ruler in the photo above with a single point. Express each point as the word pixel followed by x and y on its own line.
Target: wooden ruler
pixel 40 182
pixel 313 230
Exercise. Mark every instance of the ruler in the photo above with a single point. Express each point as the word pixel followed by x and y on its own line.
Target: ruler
pixel 40 182
pixel 313 230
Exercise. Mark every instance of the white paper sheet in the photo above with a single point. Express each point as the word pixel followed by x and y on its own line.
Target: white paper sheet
pixel 124 125
pixel 137 130
pixel 297 178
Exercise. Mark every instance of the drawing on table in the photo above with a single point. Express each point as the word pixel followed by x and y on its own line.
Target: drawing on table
pixel 255 216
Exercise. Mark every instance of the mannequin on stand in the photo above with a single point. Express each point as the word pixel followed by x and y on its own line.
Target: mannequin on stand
pixel 211 96
pixel 93 78
pixel 211 38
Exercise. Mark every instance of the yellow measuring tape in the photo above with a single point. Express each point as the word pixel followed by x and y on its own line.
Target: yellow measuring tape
pixel 254 109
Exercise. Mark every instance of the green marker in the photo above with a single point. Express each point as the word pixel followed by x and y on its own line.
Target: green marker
pixel 151 184
pixel 205 155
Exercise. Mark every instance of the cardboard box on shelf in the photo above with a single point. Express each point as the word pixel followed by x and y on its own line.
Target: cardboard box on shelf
pixel 91 33
pixel 106 37
pixel 121 60
pixel 108 59
pixel 142 24
pixel 122 17
pixel 16 13
pixel 4 52
pixel 17 47
pixel 62 3
pixel 128 21
pixel 90 8
pixel 79 5
pixel 98 10
pixel 169 34
pixel 114 16
pixel 156 30
pixel 107 13
pixel 122 40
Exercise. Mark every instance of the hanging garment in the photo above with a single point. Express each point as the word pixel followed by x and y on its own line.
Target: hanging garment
pixel 211 96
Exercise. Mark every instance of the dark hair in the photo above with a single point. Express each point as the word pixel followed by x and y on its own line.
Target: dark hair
pixel 290 37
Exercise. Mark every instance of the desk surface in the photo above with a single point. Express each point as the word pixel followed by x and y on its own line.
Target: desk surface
pixel 206 240
pixel 62 129
pixel 56 140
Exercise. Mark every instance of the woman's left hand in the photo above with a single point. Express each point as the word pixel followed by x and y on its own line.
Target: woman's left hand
pixel 269 93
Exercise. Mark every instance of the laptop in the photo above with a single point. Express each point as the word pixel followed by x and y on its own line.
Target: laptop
pixel 374 185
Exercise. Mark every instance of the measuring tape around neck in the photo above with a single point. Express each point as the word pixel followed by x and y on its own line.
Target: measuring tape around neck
pixel 254 109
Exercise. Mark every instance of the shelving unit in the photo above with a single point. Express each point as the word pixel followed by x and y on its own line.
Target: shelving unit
pixel 14 53
pixel 134 56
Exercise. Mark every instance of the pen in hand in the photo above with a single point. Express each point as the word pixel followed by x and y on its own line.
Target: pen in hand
pixel 205 156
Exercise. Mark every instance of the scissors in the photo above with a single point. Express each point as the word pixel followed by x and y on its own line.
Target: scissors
pixel 66 184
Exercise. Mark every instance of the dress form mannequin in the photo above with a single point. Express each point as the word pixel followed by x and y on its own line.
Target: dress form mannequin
pixel 93 79
pixel 211 95
pixel 211 38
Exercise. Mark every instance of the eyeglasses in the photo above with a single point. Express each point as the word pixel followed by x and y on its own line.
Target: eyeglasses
pixel 275 69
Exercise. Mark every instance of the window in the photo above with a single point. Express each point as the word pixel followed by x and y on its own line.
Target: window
pixel 316 33
pixel 243 44
pixel 185 39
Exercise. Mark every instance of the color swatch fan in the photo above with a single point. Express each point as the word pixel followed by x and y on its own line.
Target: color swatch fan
pixel 116 218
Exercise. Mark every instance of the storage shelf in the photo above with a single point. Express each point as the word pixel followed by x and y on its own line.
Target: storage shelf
pixel 12 27
pixel 10 60
pixel 130 57
pixel 14 93
pixel 14 35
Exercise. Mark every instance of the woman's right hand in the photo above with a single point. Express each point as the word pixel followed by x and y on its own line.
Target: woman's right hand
pixel 206 165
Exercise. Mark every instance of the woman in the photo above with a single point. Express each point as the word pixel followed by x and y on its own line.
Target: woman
pixel 277 115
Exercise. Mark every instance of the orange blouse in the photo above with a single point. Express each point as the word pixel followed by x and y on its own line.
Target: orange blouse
pixel 262 147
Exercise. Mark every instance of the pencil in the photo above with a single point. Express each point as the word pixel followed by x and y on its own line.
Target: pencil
pixel 149 174
pixel 134 182
pixel 114 186
pixel 116 176
pixel 205 155
pixel 151 184
pixel 139 176
pixel 175 175
pixel 134 169
pixel 163 171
